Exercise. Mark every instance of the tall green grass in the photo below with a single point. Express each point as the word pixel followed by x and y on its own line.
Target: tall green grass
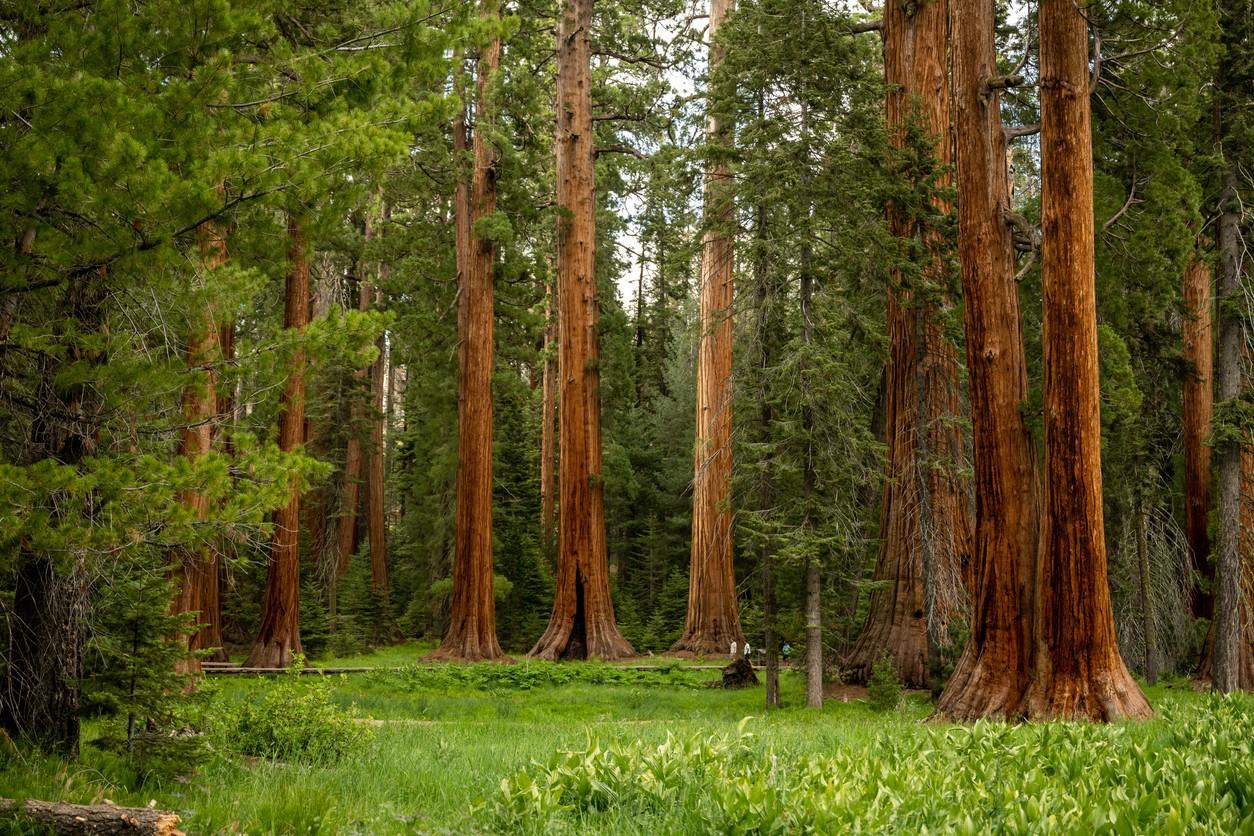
pixel 440 749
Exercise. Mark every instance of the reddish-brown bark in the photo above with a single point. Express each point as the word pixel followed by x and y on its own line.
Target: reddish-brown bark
pixel 1198 406
pixel 548 426
pixel 992 673
pixel 924 525
pixel 376 508
pixel 471 634
pixel 192 566
pixel 582 624
pixel 210 635
pixel 713 620
pixel 350 494
pixel 278 638
pixel 1077 672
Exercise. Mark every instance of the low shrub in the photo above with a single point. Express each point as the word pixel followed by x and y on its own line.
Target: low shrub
pixel 294 719
pixel 884 686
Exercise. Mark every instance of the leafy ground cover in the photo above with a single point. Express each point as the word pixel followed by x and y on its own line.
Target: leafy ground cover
pixel 591 748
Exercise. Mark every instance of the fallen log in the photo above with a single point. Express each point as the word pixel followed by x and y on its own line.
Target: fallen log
pixel 94 819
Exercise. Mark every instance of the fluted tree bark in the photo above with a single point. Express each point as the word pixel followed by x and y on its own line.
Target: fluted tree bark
pixel 209 637
pixel 1077 672
pixel 713 619
pixel 1198 335
pixel 472 625
pixel 200 406
pixel 582 624
pixel 924 525
pixel 278 638
pixel 992 673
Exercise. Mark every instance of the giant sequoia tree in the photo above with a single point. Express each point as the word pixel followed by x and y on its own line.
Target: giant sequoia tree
pixel 1077 671
pixel 472 627
pixel 1198 407
pixel 278 638
pixel 713 620
pixel 582 624
pixel 992 673
pixel 196 570
pixel 923 523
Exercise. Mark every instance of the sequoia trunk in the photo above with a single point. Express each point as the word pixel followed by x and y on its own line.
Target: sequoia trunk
pixel 992 673
pixel 376 520
pixel 200 406
pixel 1198 404
pixel 924 525
pixel 278 639
pixel 548 409
pixel 1077 672
pixel 472 625
pixel 713 620
pixel 210 636
pixel 350 495
pixel 582 624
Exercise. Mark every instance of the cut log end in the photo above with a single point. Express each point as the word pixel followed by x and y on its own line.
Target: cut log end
pixel 95 819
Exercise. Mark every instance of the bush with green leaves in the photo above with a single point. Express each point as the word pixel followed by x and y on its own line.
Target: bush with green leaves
pixel 294 719
pixel 1193 772
pixel 884 686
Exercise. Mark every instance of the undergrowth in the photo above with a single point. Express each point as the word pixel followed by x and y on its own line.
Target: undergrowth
pixel 1194 775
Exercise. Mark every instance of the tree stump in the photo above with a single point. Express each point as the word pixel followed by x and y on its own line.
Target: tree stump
pixel 94 819
pixel 739 674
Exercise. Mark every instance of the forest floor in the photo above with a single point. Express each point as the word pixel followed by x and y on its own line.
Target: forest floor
pixel 439 743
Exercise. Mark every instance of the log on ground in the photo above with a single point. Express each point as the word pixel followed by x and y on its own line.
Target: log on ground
pixel 94 819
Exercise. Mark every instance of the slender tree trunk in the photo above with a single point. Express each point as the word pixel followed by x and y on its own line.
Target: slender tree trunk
pixel 210 635
pixel 472 625
pixel 278 639
pixel 1225 667
pixel 376 510
pixel 1077 672
pixel 200 406
pixel 350 496
pixel 1198 403
pixel 814 634
pixel 315 503
pixel 925 530
pixel 582 624
pixel 1149 620
pixel 41 695
pixel 713 620
pixel 1246 654
pixel 766 327
pixel 548 427
pixel 992 673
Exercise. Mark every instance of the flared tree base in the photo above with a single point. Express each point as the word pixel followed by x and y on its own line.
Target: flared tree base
pixel 904 644
pixel 706 644
pixel 568 639
pixel 274 653
pixel 468 648
pixel 984 686
pixel 1105 696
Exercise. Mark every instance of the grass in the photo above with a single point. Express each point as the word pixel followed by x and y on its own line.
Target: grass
pixel 439 749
